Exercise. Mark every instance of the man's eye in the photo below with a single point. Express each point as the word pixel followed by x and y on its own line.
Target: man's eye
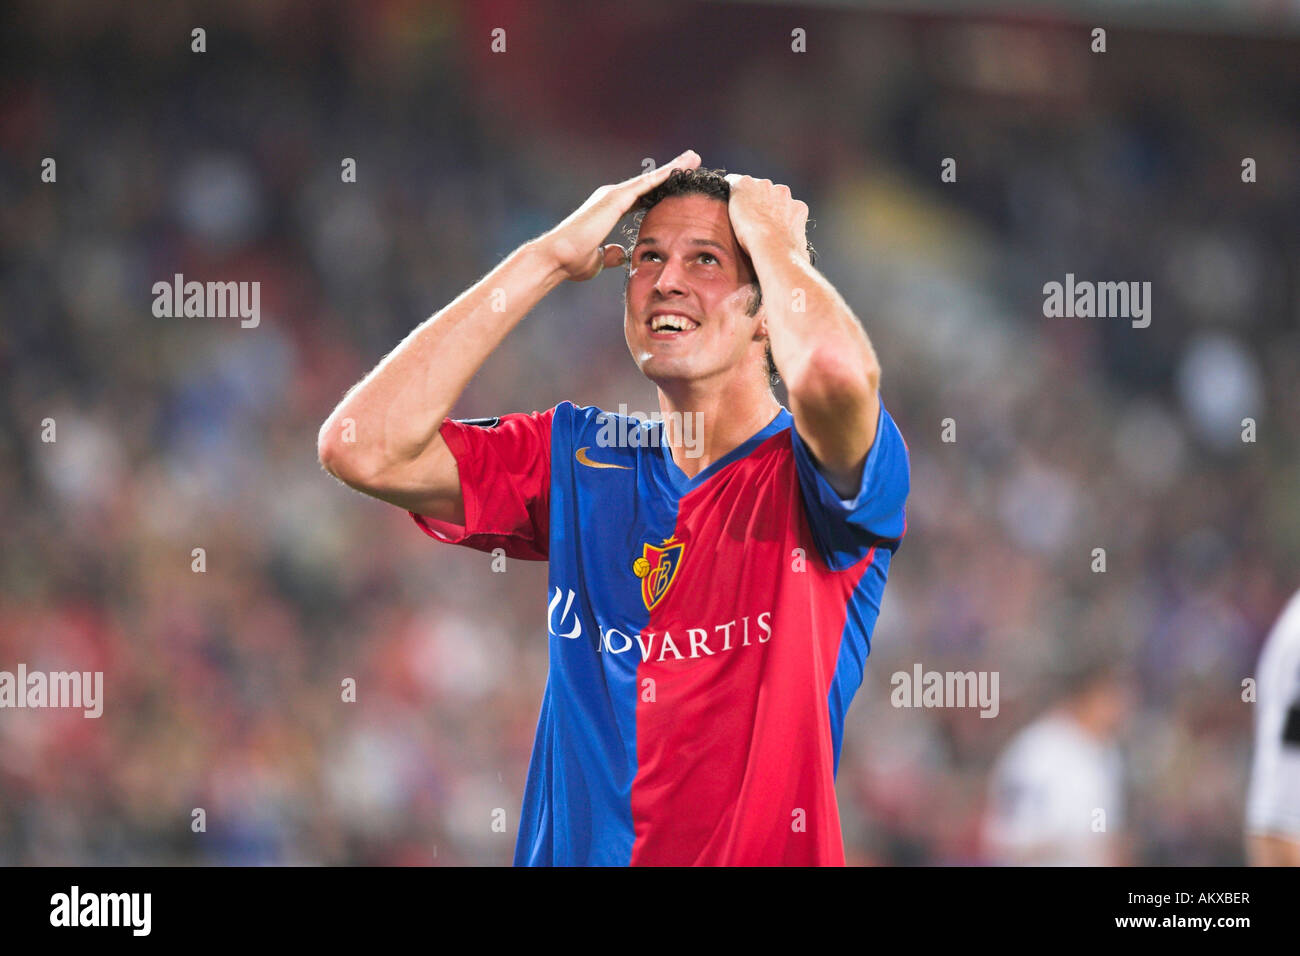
pixel 712 259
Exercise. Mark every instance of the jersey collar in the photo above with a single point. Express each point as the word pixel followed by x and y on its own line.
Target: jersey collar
pixel 681 484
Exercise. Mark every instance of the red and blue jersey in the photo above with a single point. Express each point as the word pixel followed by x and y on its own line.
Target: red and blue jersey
pixel 706 634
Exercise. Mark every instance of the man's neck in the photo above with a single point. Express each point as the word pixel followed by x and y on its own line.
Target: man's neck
pixel 707 422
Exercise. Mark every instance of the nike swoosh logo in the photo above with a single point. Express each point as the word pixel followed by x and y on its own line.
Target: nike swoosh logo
pixel 581 455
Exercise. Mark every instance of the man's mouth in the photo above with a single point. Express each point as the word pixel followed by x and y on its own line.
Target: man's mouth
pixel 667 325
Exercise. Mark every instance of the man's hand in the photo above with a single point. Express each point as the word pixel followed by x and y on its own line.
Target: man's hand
pixel 765 216
pixel 576 245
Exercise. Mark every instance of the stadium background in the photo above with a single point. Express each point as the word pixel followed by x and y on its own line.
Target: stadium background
pixel 222 688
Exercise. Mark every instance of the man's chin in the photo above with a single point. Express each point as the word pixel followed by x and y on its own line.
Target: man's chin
pixel 669 372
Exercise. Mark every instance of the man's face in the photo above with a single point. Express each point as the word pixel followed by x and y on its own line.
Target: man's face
pixel 1112 702
pixel 687 264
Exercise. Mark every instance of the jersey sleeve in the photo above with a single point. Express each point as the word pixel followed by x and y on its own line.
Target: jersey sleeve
pixel 505 481
pixel 845 529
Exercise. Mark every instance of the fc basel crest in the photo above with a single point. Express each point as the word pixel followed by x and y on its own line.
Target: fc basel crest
pixel 657 569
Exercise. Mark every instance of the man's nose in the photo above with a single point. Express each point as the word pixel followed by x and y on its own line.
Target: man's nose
pixel 672 278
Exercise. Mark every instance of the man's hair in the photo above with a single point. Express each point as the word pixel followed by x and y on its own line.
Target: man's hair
pixel 698 182
pixel 1091 660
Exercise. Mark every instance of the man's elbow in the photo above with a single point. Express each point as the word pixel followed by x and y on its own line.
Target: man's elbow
pixel 326 452
pixel 832 379
pixel 339 457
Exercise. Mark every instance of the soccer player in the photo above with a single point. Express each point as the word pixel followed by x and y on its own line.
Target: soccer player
pixel 1056 793
pixel 1273 799
pixel 711 603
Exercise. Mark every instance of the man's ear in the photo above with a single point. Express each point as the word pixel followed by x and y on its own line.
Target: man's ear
pixel 761 333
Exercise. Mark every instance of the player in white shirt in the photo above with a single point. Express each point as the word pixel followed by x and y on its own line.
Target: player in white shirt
pixel 1056 793
pixel 1273 800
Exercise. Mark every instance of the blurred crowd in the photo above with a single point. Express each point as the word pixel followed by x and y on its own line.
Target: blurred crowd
pixel 224 686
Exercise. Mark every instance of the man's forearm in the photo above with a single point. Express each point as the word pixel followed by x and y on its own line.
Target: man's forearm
pixel 827 361
pixel 393 413
pixel 809 324
pixel 1267 849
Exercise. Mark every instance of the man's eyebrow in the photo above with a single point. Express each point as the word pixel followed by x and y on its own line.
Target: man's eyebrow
pixel 652 241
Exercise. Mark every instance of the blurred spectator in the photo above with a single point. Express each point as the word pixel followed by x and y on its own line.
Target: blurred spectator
pixel 1273 801
pixel 1057 790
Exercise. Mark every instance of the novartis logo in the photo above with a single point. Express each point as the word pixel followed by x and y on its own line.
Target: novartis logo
pixel 690 643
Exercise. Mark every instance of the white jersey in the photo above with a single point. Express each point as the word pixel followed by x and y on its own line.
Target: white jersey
pixel 1056 796
pixel 1273 801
